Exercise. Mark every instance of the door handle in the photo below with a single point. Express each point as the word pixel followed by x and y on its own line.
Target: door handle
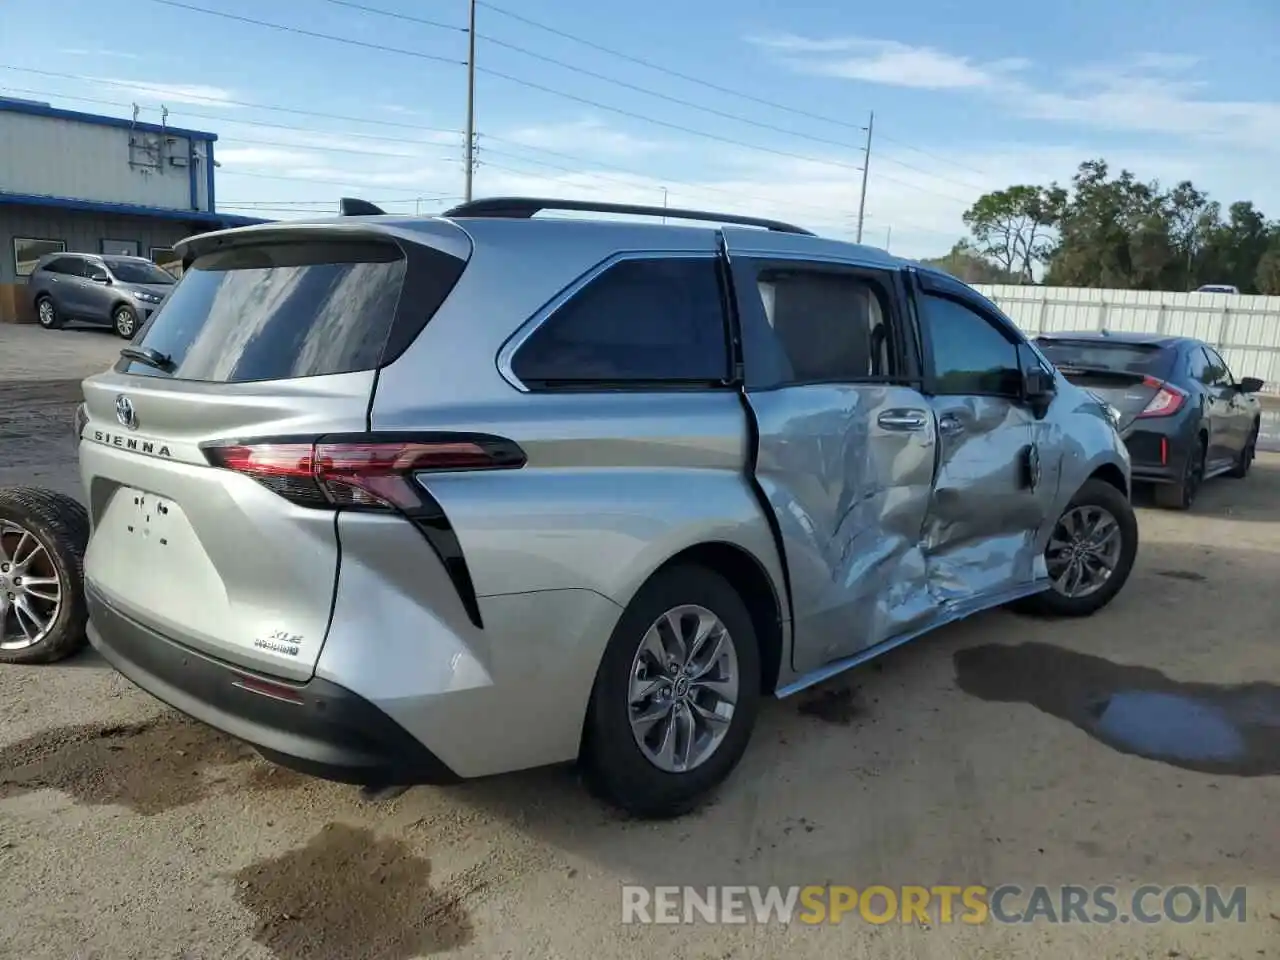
pixel 950 425
pixel 902 420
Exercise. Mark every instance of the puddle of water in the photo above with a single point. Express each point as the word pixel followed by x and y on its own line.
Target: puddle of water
pixel 1231 729
pixel 348 893
pixel 148 767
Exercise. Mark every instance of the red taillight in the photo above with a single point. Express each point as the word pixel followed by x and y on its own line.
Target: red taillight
pixel 1167 401
pixel 361 472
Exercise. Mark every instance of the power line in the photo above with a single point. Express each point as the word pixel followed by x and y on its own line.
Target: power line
pixel 667 70
pixel 180 111
pixel 345 184
pixel 309 33
pixel 517 80
pixel 316 148
pixel 217 101
pixel 401 16
pixel 703 82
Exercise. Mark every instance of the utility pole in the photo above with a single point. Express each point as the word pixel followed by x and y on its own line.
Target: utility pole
pixel 888 239
pixel 866 165
pixel 471 100
pixel 664 203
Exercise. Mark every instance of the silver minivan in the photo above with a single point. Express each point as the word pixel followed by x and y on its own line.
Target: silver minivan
pixel 409 500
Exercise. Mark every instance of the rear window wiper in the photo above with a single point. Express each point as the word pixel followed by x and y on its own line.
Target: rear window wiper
pixel 150 356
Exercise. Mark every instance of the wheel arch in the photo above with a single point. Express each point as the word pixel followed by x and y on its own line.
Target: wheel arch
pixel 747 574
pixel 1112 474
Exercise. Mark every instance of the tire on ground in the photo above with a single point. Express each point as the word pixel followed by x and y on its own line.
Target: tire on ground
pixel 615 767
pixel 1051 603
pixel 61 525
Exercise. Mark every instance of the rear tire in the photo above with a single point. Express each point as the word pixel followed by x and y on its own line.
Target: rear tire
pixel 1241 468
pixel 1054 602
pixel 43 536
pixel 47 314
pixel 1181 495
pixel 124 320
pixel 617 767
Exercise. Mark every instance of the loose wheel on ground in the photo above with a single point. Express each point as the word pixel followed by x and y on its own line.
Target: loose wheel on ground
pixel 1090 554
pixel 43 536
pixel 676 694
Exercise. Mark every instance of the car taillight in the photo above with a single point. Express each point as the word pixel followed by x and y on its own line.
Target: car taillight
pixel 1167 401
pixel 365 472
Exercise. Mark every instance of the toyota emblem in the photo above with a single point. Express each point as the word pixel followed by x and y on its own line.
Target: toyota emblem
pixel 125 412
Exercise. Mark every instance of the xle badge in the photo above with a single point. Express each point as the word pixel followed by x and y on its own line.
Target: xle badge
pixel 1031 467
pixel 280 641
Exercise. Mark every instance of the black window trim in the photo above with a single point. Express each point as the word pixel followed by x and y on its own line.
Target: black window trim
pixel 17 240
pixel 507 352
pixel 1196 347
pixel 1210 352
pixel 908 371
pixel 927 284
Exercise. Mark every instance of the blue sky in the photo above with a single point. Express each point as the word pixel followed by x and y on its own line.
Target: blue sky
pixel 967 98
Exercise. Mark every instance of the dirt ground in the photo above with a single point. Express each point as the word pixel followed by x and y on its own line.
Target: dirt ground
pixel 995 751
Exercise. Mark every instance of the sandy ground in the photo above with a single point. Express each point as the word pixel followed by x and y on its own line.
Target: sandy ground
pixel 979 755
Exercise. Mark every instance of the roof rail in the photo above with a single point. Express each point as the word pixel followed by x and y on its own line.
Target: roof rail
pixel 523 208
pixel 354 207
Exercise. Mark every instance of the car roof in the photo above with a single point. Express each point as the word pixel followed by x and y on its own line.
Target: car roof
pixel 609 233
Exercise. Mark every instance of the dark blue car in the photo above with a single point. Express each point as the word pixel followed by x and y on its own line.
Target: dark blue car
pixel 1184 416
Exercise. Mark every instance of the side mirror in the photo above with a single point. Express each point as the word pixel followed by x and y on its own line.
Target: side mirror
pixel 1251 384
pixel 100 278
pixel 1037 384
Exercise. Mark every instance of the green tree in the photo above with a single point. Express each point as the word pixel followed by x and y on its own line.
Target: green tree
pixel 965 263
pixel 1013 228
pixel 1267 279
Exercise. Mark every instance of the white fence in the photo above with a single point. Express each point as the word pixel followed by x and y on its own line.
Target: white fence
pixel 1245 330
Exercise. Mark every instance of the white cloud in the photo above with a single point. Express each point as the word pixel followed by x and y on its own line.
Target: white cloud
pixel 174 92
pixel 890 62
pixel 82 52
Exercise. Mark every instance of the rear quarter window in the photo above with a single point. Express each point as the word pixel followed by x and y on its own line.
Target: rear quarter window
pixel 282 310
pixel 643 321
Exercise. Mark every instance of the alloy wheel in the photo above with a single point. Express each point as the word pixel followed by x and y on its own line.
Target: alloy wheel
pixel 124 322
pixel 683 688
pixel 45 313
pixel 30 589
pixel 1084 551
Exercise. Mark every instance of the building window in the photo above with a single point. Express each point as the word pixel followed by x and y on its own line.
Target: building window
pixel 167 260
pixel 118 248
pixel 27 250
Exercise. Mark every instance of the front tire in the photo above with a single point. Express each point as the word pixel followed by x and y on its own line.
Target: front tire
pixel 43 536
pixel 1240 469
pixel 1090 555
pixel 47 314
pixel 124 320
pixel 660 736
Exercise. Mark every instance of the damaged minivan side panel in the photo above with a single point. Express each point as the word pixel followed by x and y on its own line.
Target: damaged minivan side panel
pixel 845 450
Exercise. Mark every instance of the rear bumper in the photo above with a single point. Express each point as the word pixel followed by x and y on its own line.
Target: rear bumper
pixel 1157 451
pixel 322 729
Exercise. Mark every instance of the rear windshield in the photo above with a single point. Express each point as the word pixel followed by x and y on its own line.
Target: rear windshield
pixel 1140 358
pixel 276 311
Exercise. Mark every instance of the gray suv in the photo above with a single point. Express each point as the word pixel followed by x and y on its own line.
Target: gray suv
pixel 120 292
pixel 408 500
